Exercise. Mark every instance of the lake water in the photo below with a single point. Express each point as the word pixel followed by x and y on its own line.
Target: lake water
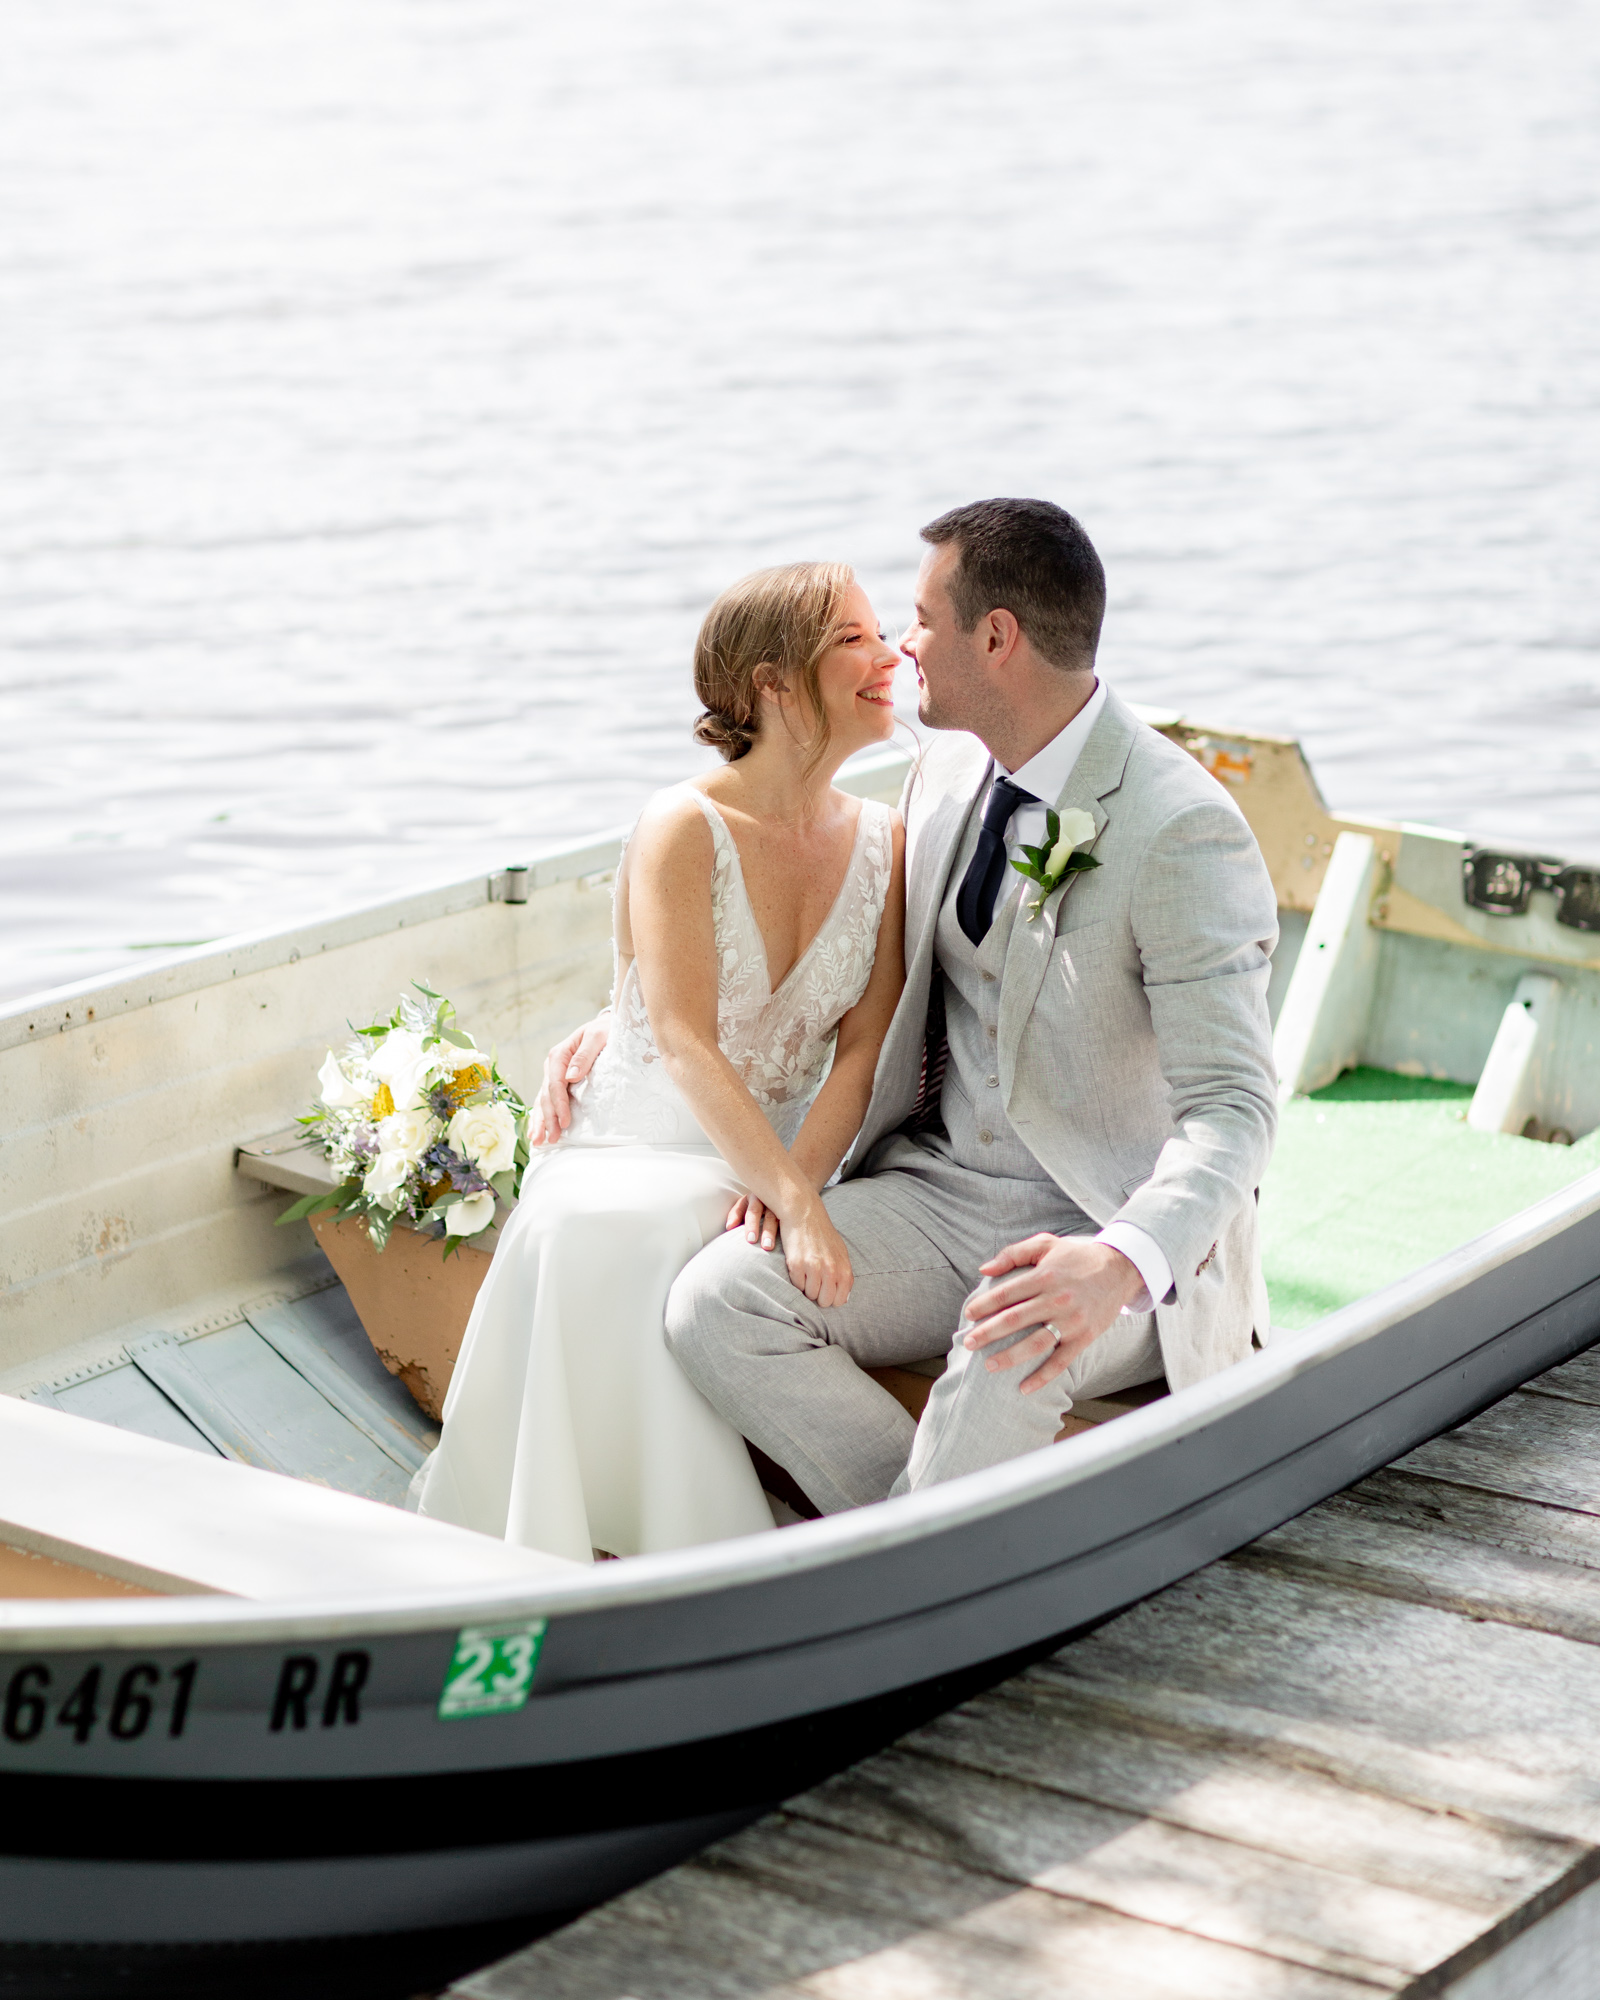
pixel 389 384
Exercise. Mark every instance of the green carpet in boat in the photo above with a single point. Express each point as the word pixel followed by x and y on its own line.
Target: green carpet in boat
pixel 1379 1173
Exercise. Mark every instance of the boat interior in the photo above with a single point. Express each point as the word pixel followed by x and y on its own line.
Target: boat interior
pixel 1436 1008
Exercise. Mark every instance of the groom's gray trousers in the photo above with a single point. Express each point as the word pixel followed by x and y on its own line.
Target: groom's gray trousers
pixel 788 1375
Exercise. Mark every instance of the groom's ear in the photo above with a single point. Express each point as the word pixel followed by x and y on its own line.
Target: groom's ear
pixel 998 636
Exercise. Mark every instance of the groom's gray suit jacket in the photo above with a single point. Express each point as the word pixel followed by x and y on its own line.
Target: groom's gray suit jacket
pixel 1135 1048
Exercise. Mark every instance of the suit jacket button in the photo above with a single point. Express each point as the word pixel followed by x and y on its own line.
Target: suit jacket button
pixel 988 979
pixel 987 1138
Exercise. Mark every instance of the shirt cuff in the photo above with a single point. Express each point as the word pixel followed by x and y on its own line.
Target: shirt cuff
pixel 1146 1258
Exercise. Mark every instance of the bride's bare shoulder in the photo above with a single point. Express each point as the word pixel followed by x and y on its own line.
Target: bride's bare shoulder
pixel 672 831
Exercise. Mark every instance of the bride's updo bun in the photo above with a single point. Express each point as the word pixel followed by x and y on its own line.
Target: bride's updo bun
pixel 722 733
pixel 771 629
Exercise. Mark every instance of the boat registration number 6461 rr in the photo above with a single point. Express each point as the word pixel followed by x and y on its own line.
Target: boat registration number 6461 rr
pixel 490 1672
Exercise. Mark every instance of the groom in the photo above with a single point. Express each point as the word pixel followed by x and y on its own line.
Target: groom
pixel 1055 1182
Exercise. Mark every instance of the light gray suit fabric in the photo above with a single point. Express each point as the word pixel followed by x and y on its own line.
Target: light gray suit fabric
pixel 1133 1058
pixel 978 1131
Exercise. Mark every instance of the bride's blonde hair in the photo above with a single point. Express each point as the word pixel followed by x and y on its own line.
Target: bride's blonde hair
pixel 770 629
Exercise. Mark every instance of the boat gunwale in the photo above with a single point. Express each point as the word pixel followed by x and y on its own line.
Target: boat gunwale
pixel 863 1532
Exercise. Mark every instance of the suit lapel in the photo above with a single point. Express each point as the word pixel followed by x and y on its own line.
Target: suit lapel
pixel 932 839
pixel 1096 775
pixel 933 850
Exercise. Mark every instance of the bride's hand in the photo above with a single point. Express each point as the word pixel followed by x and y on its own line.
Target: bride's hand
pixel 819 1263
pixel 758 1221
pixel 568 1062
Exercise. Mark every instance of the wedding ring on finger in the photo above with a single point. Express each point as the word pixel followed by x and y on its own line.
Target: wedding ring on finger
pixel 1054 1332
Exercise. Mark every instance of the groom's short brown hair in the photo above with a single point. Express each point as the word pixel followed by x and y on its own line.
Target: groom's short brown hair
pixel 1031 558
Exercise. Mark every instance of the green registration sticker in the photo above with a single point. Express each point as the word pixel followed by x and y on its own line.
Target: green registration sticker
pixel 491 1670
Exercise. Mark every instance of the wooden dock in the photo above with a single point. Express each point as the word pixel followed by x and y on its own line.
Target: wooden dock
pixel 1361 1757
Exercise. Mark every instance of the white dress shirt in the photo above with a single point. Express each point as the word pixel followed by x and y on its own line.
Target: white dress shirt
pixel 1045 775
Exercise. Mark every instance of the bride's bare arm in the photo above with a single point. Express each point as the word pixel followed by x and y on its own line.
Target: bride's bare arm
pixel 675 949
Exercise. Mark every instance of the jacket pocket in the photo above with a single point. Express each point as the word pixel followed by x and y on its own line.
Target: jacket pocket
pixel 1072 934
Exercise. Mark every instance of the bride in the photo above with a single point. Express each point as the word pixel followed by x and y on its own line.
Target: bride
pixel 758 936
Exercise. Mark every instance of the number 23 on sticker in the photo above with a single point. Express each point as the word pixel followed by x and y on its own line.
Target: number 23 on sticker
pixel 491 1670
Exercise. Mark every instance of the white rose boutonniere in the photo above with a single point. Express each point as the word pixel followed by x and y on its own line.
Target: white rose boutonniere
pixel 1067 836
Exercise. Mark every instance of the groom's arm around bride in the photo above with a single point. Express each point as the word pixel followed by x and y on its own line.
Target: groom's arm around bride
pixel 1107 1102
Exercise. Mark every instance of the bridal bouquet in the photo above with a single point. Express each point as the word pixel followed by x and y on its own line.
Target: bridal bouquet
pixel 418 1123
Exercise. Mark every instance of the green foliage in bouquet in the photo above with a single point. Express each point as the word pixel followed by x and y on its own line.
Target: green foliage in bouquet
pixel 418 1123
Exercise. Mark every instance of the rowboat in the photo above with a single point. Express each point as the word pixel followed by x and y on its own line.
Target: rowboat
pixel 252 1709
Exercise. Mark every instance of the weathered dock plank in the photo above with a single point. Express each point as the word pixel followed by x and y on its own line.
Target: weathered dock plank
pixel 1355 1758
pixel 1177 1768
pixel 1532 1447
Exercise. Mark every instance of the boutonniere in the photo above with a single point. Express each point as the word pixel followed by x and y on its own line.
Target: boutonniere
pixel 1062 854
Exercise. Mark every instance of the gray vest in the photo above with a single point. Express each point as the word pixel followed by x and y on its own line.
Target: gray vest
pixel 980 1134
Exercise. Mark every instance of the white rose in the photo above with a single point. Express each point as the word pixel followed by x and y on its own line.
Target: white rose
pixel 407 1133
pixel 449 1057
pixel 338 1092
pixel 400 1062
pixel 1077 827
pixel 386 1177
pixel 486 1134
pixel 468 1216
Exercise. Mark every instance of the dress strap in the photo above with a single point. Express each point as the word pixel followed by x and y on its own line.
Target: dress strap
pixel 726 868
pixel 719 826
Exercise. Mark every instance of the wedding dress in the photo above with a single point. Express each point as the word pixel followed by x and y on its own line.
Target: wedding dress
pixel 568 1426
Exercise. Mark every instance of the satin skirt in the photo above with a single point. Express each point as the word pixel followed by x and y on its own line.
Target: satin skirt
pixel 568 1426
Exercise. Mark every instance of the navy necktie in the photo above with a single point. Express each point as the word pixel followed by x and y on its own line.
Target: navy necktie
pixel 980 886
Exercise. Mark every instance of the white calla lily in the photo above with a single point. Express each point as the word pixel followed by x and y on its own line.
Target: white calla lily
pixel 1076 830
pixel 468 1216
pixel 400 1061
pixel 338 1092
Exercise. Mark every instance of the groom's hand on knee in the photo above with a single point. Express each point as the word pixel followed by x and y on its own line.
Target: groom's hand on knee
pixel 1069 1286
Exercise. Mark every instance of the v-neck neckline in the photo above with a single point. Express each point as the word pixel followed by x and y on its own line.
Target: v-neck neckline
pixel 744 890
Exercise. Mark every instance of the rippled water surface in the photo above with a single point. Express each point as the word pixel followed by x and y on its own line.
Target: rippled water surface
pixel 388 387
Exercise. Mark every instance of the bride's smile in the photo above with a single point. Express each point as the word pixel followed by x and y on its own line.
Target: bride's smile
pixel 855 680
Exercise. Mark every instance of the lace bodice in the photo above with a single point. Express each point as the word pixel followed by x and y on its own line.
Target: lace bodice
pixel 781 1043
